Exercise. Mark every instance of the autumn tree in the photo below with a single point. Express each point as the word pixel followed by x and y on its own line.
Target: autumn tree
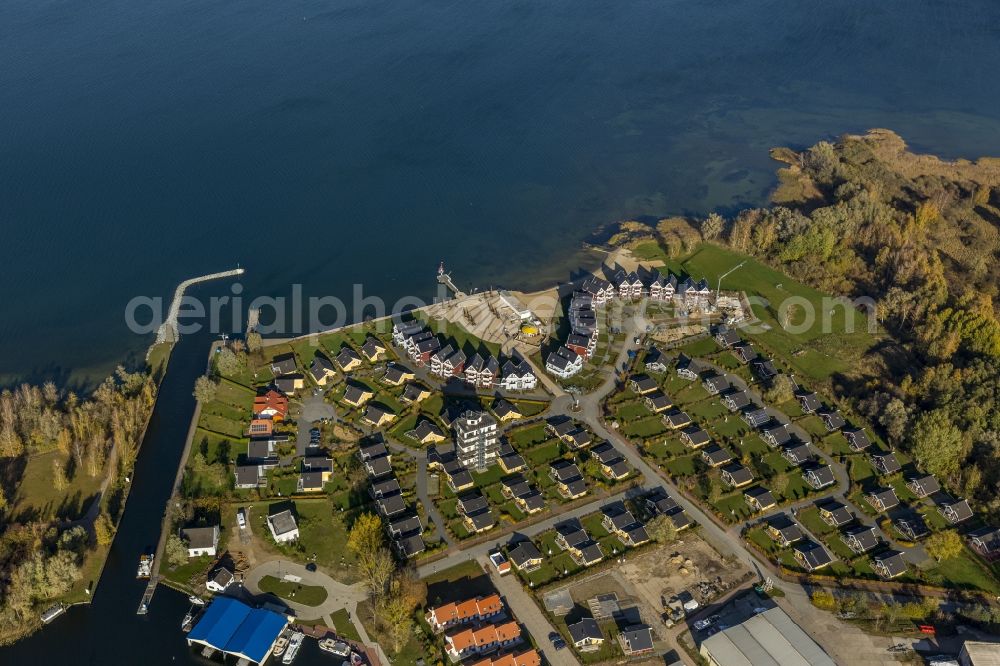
pixel 365 540
pixel 59 481
pixel 406 593
pixel 944 545
pixel 778 484
pixel 254 342
pixel 782 389
pixel 104 530
pixel 662 529
pixel 229 362
pixel 712 226
pixel 175 551
pixel 205 389
pixel 938 444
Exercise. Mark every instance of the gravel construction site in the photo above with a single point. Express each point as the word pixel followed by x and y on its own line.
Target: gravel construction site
pixel 644 581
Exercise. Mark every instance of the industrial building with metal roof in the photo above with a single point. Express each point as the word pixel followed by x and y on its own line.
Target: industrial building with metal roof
pixel 234 628
pixel 769 638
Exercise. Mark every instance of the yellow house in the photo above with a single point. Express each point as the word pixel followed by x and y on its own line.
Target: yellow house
pixel 348 359
pixel 426 433
pixel 397 375
pixel 378 415
pixel 357 394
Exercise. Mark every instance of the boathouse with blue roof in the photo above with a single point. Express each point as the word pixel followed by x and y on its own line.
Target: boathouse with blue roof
pixel 234 628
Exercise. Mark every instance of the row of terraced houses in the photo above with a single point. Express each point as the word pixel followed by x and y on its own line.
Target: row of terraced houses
pixel 568 359
pixel 424 348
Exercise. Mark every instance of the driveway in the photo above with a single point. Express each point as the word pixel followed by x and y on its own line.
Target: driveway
pixel 313 409
pixel 338 594
pixel 421 489
pixel 528 614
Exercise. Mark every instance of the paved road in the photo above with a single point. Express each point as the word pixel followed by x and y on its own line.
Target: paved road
pixel 421 489
pixel 839 639
pixel 338 594
pixel 482 550
pixel 527 612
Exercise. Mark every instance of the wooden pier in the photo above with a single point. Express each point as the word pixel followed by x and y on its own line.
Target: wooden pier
pixel 147 597
pixel 168 329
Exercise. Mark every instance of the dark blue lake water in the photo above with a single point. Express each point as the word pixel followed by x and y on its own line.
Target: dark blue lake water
pixel 329 143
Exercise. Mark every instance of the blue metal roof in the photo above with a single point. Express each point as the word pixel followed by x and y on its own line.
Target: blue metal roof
pixel 234 627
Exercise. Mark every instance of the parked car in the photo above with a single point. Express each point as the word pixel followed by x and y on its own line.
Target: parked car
pixel 557 640
pixel 241 518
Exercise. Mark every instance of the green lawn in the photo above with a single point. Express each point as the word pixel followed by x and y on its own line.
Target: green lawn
pixel 734 508
pixel 322 530
pixel 632 411
pixel 647 427
pixel 819 350
pixel 963 572
pixel 343 625
pixel 308 595
pixel 525 437
pixel 541 455
pixel 36 497
pixel 682 466
pixel 191 573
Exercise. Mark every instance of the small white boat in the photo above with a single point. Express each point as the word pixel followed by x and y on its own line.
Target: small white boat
pixel 294 643
pixel 188 619
pixel 196 600
pixel 279 646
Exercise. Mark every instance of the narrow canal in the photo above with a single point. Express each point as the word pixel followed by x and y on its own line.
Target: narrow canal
pixel 108 631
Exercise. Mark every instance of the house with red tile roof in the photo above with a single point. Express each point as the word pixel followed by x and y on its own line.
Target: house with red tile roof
pixel 272 405
pixel 463 612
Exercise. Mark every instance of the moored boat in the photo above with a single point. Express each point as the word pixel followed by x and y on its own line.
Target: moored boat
pixel 145 567
pixel 294 643
pixel 279 646
pixel 335 647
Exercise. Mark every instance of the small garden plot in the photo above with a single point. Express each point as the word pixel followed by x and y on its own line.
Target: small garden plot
pixel 755 446
pixel 862 473
pixel 810 519
pixel 666 449
pixel 733 508
pixel 703 347
pixel 729 426
pixel 530 408
pixel 526 437
pixel 835 444
pixel 647 427
pixel 813 425
pixel 904 494
pixel 683 465
pixel 672 383
pixel 691 393
pixel 773 463
pixel 795 489
pixel 708 411
pixel 632 411
pixel 543 454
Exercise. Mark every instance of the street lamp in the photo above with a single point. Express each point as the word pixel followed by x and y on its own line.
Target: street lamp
pixel 718 287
